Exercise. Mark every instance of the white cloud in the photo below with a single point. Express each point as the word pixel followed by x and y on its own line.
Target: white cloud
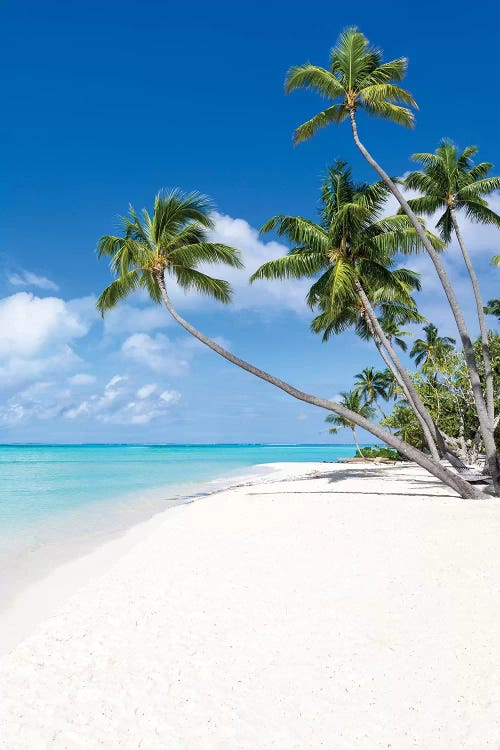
pixel 158 353
pixel 118 405
pixel 36 333
pixel 27 278
pixel 130 318
pixel 147 390
pixel 82 378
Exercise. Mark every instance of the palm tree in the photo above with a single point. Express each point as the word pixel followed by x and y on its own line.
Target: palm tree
pixel 371 385
pixel 173 241
pixel 449 182
pixel 394 332
pixel 359 79
pixel 493 308
pixel 354 401
pixel 429 352
pixel 353 249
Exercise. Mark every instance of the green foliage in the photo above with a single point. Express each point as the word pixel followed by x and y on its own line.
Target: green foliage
pixel 443 384
pixel 354 402
pixel 380 452
pixel 350 243
pixel 173 240
pixel 450 180
pixel 357 78
pixel 432 350
pixel 493 307
pixel 371 385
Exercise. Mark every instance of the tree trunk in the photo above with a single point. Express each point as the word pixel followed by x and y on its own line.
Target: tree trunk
pixel 415 398
pixel 412 454
pixel 482 414
pixel 358 449
pixel 392 367
pixel 488 372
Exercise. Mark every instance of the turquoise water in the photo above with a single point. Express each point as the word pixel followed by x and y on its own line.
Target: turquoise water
pixel 43 480
pixel 58 501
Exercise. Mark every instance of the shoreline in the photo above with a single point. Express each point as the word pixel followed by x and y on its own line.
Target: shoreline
pixel 40 596
pixel 339 606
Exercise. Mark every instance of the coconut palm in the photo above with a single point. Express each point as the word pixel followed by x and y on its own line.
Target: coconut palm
pixel 359 79
pixel 450 182
pixel 353 249
pixel 154 250
pixel 429 352
pixel 174 241
pixel 354 401
pixel 371 385
pixel 394 332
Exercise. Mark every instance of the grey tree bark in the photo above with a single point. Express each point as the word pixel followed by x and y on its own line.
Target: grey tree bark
pixel 392 367
pixel 435 468
pixel 488 371
pixel 482 413
pixel 431 431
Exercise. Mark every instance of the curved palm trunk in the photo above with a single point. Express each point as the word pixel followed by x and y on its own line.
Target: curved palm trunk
pixel 488 372
pixel 431 432
pixel 482 414
pixel 358 449
pixel 412 454
pixel 392 367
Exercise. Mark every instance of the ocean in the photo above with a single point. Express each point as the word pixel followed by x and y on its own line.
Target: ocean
pixel 60 501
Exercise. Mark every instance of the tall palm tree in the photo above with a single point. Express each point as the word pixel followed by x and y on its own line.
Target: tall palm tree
pixel 170 244
pixel 359 79
pixel 354 401
pixel 371 385
pixel 429 352
pixel 449 182
pixel 353 249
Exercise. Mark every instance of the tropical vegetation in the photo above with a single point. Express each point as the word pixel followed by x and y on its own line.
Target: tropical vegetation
pixel 352 255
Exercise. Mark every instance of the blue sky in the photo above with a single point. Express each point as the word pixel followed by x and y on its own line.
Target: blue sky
pixel 104 104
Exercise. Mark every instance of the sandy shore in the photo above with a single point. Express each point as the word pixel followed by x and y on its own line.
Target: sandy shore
pixel 354 610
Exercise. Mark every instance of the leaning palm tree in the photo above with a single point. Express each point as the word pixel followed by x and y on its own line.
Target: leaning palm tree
pixel 371 385
pixel 156 250
pixel 358 79
pixel 449 182
pixel 354 401
pixel 352 248
pixel 429 352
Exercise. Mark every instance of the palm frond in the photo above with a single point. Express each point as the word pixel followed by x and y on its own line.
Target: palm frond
pixel 392 112
pixel 206 252
pixel 117 290
pixel 313 77
pixel 334 114
pixel 190 278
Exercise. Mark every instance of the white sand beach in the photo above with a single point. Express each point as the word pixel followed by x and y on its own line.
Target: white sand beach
pixel 356 608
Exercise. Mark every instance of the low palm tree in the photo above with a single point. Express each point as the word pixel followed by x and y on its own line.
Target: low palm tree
pixel 169 245
pixel 353 401
pixel 371 385
pixel 394 332
pixel 352 248
pixel 429 351
pixel 358 79
pixel 451 182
